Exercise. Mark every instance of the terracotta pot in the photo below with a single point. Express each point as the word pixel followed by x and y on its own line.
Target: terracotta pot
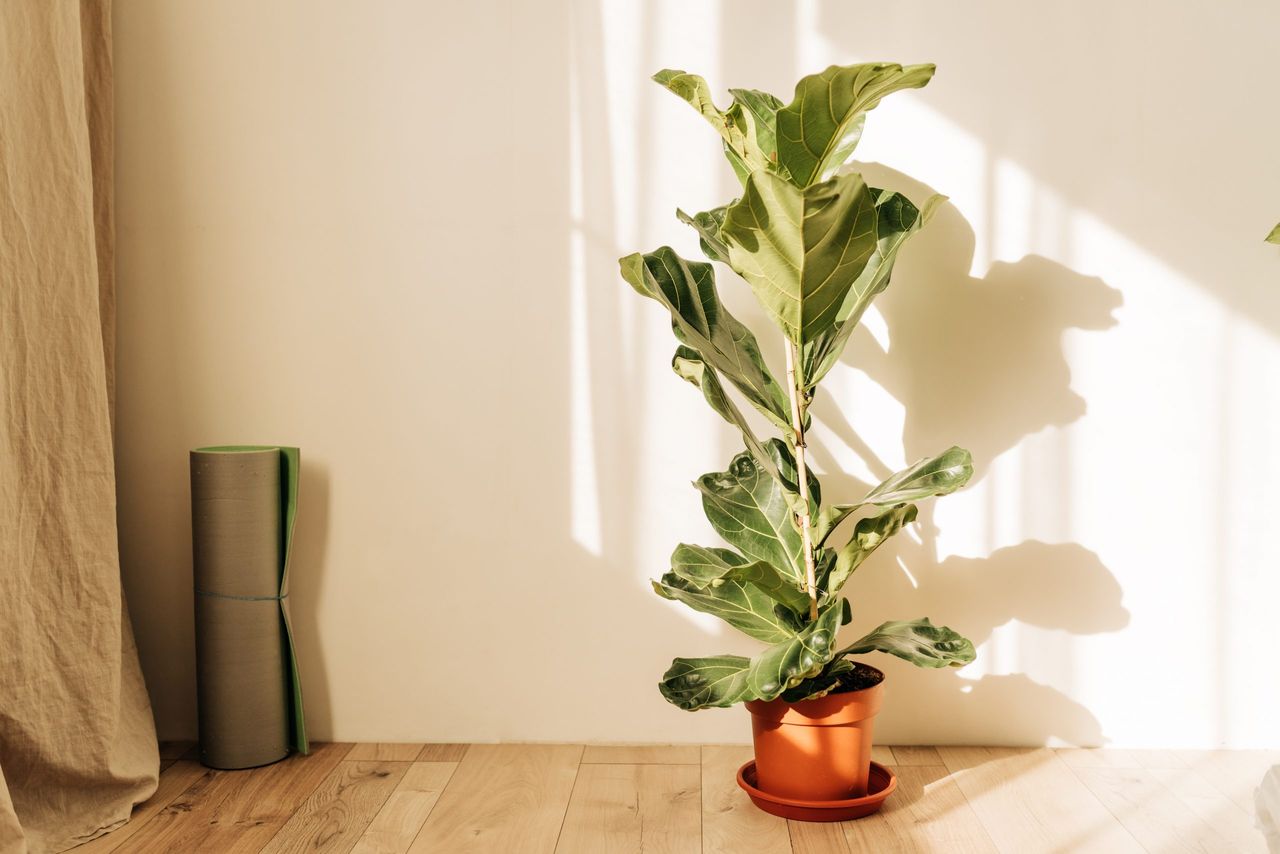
pixel 816 750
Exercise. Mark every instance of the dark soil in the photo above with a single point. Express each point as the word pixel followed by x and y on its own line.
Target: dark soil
pixel 862 676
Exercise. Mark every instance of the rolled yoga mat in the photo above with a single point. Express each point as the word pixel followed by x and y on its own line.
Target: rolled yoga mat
pixel 243 502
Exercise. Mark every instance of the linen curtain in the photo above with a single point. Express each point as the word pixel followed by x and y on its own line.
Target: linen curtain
pixel 77 742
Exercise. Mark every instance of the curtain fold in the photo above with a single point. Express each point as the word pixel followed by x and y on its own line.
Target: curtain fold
pixel 77 742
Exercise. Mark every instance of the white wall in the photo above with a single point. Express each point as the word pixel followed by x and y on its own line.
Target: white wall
pixel 387 232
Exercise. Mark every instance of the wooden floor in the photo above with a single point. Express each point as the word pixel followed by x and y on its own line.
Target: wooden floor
pixel 524 799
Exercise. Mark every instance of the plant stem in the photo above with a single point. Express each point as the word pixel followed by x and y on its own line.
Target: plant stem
pixel 802 474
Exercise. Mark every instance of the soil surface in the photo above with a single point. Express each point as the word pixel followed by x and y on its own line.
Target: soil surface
pixel 860 677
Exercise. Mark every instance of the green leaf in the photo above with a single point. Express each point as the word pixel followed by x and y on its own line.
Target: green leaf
pixel 699 570
pixel 818 131
pixel 739 126
pixel 801 251
pixel 786 463
pixel 701 565
pixel 707 224
pixel 868 534
pixel 740 604
pixel 688 365
pixel 770 582
pixel 757 113
pixel 896 220
pixel 940 475
pixel 1274 236
pixel 693 89
pixel 722 680
pixel 687 289
pixel 822 684
pixel 918 641
pixel 784 665
pixel 717 681
pixel 752 510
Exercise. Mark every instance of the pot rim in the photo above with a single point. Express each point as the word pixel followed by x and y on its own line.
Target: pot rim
pixel 845 707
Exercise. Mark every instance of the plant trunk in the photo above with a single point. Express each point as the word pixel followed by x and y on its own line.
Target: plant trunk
pixel 794 391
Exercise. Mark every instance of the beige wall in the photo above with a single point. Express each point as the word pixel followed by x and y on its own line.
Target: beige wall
pixel 387 232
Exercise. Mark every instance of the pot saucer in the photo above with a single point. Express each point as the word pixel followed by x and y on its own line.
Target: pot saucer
pixel 879 787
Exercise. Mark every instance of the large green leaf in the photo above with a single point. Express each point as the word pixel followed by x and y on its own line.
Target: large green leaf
pixel 753 511
pixel 896 220
pixel 742 127
pixel 687 289
pixel 693 89
pixel 717 681
pixel 868 534
pixel 1274 236
pixel 689 365
pixel 818 130
pixel 739 603
pixel 771 583
pixel 784 665
pixel 722 680
pixel 918 641
pixel 756 113
pixel 724 583
pixel 701 565
pixel 801 250
pixel 940 475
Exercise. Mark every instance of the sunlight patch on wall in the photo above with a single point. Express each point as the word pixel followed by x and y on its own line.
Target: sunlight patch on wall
pixel 584 488
pixel 859 411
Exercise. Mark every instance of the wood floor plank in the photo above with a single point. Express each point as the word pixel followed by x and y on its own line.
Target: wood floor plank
pixel 730 822
pixel 1227 818
pixel 649 808
pixel 443 752
pixel 905 754
pixel 817 837
pixel 384 752
pixel 397 824
pixel 335 815
pixel 1098 757
pixel 174 780
pixel 503 797
pixel 1150 812
pixel 643 754
pixel 883 754
pixel 928 812
pixel 1159 759
pixel 229 812
pixel 1235 773
pixel 1029 801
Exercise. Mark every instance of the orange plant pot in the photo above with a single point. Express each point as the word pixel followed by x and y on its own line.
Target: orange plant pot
pixel 816 750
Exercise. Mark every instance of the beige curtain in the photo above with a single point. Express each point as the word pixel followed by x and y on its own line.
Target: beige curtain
pixel 77 743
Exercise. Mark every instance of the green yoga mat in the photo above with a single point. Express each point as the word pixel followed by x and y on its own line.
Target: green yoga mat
pixel 244 500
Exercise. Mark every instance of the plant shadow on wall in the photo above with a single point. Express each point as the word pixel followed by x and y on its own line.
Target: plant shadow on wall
pixel 987 390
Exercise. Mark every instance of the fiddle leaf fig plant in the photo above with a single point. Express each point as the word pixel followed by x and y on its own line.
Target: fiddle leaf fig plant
pixel 816 244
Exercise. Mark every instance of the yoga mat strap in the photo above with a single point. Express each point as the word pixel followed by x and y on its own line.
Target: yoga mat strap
pixel 277 596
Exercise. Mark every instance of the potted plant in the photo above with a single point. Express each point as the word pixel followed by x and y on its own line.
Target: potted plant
pixel 816 244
